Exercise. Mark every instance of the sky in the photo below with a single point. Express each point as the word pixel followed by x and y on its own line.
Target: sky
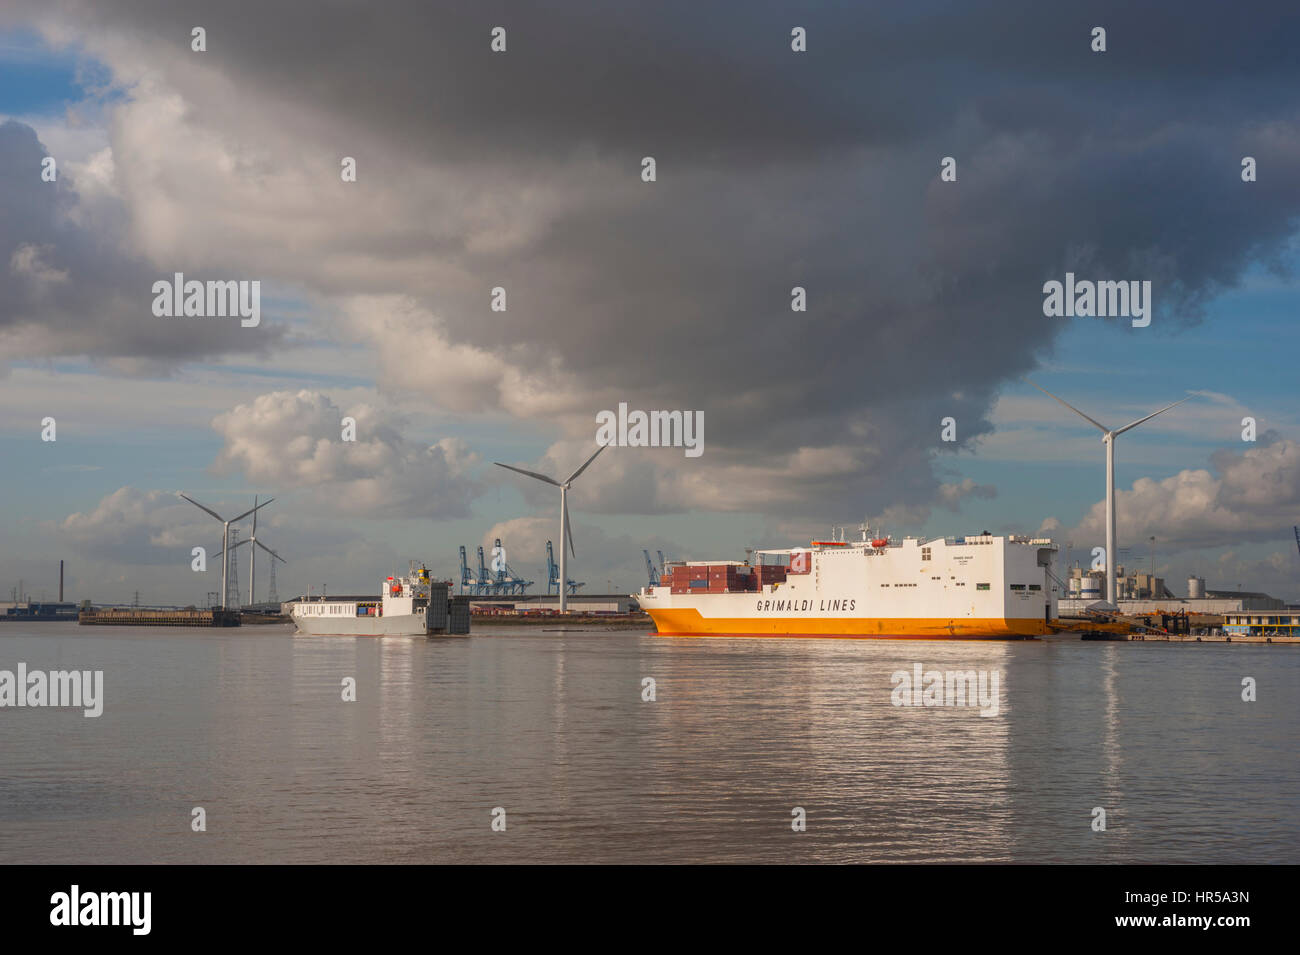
pixel 523 169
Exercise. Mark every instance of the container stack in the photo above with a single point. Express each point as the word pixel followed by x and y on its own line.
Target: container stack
pixel 686 580
pixel 712 579
pixel 723 579
pixel 731 577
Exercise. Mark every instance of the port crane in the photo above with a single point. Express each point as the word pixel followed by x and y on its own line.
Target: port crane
pixel 484 581
pixel 467 585
pixel 506 581
pixel 487 582
pixel 553 575
pixel 650 570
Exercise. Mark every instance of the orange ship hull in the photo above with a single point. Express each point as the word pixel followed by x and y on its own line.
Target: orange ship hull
pixel 687 622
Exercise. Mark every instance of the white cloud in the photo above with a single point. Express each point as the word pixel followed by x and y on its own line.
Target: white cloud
pixel 1255 497
pixel 134 526
pixel 27 262
pixel 295 440
pixel 416 353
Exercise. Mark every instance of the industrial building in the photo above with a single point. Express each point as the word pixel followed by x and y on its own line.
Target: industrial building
pixel 1133 585
pixel 37 611
pixel 1263 624
pixel 23 608
pixel 583 603
pixel 1141 593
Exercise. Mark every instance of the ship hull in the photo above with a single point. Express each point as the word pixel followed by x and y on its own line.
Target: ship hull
pixel 410 606
pixel 983 587
pixel 403 626
pixel 686 622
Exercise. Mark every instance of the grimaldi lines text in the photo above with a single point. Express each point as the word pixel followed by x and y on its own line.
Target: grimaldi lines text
pixel 980 587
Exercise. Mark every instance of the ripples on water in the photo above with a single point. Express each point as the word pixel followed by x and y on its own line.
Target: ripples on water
pixel 250 724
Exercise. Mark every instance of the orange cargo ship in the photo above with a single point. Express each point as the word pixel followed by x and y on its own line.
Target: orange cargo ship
pixel 945 588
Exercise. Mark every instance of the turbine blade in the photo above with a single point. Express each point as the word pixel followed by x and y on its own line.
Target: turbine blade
pixel 246 513
pixel 1097 424
pixel 568 531
pixel 574 475
pixel 269 551
pixel 255 507
pixel 531 474
pixel 201 507
pixel 233 547
pixel 1128 427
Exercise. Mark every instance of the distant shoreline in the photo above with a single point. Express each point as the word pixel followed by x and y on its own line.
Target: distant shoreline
pixel 611 621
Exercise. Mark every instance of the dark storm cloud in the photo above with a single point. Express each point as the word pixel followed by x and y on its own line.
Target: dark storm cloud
pixel 716 77
pixel 69 288
pixel 779 169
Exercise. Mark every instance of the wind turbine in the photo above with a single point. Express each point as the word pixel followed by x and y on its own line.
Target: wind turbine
pixel 1108 437
pixel 565 533
pixel 225 536
pixel 252 554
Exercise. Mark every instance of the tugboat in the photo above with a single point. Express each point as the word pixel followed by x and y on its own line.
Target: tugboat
pixel 408 606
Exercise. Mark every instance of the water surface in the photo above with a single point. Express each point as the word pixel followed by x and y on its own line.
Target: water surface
pixel 551 726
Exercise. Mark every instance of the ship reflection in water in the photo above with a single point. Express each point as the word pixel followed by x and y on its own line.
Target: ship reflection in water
pixel 552 727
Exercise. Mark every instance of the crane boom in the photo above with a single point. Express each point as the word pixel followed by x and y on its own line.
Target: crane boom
pixel 650 569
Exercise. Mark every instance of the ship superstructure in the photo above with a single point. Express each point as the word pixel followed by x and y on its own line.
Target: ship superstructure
pixel 413 605
pixel 983 586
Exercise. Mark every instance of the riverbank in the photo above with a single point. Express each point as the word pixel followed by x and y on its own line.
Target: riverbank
pixel 629 621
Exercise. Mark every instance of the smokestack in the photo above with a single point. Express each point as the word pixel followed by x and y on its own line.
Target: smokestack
pixel 60 581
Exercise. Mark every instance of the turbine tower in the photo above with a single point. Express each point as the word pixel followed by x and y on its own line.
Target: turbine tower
pixel 1108 437
pixel 233 596
pixel 565 533
pixel 252 558
pixel 225 539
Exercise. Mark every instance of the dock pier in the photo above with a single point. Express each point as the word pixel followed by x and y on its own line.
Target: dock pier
pixel 135 617
pixel 1190 638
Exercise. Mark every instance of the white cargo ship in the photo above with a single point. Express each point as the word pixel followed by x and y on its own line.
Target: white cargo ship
pixel 412 605
pixel 979 587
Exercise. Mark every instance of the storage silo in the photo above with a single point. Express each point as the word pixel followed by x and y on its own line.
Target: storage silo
pixel 1195 587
